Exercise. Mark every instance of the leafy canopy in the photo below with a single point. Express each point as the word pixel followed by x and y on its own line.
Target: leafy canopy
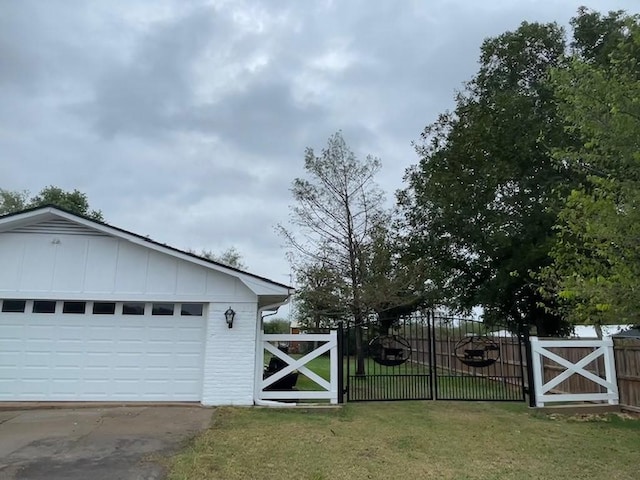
pixel 480 204
pixel 596 259
pixel 73 201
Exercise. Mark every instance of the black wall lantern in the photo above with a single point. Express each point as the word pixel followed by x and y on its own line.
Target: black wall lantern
pixel 229 315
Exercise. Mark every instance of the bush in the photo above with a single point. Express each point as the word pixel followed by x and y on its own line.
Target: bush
pixel 277 325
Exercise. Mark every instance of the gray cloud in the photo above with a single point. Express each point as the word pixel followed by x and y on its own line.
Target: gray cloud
pixel 188 120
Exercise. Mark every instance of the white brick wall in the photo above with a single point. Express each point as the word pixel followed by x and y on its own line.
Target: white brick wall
pixel 229 364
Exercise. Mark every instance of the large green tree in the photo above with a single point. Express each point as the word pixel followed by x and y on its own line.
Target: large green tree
pixel 74 201
pixel 481 202
pixel 596 259
pixel 526 176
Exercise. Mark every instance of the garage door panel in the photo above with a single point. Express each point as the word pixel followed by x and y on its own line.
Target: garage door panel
pixel 155 374
pixel 64 359
pixel 106 347
pixel 11 331
pixel 35 373
pixel 156 387
pixel 160 346
pixel 186 361
pixel 42 333
pixel 97 360
pixel 32 386
pixel 133 334
pixel 69 347
pixel 129 348
pixel 36 359
pixel 61 357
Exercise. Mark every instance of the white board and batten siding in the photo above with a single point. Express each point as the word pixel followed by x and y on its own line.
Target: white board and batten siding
pixel 117 357
pixel 102 267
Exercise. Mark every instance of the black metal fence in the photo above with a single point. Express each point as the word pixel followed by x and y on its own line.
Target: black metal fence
pixel 424 357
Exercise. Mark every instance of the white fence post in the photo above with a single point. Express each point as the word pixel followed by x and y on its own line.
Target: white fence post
pixel 610 372
pixel 538 372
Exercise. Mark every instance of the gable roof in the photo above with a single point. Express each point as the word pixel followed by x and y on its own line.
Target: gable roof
pixel 23 219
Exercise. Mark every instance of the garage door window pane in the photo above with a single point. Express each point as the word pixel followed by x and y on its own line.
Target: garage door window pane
pixel 13 306
pixel 104 308
pixel 133 308
pixel 44 306
pixel 194 309
pixel 162 309
pixel 74 307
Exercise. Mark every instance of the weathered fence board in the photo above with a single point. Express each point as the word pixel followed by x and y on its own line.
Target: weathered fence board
pixel 627 357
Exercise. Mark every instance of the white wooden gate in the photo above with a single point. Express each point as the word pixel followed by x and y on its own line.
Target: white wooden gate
pixel 604 348
pixel 328 390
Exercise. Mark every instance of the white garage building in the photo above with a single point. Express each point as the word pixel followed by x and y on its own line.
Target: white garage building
pixel 90 312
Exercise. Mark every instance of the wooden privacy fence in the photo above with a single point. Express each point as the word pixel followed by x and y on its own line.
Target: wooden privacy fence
pixel 627 357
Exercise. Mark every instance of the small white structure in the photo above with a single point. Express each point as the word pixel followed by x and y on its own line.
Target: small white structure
pixel 90 312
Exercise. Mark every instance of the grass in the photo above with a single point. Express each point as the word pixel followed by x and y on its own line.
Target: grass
pixel 421 440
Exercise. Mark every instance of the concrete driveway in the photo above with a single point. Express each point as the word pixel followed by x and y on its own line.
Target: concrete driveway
pixel 94 443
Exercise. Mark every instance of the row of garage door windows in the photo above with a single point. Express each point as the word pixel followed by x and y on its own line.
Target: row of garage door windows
pixel 102 308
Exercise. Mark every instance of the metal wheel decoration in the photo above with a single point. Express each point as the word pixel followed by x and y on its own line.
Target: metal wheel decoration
pixel 477 351
pixel 390 350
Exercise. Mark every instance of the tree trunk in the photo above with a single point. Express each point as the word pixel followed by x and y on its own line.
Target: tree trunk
pixel 598 328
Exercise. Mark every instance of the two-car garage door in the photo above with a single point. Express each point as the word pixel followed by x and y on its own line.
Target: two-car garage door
pixel 101 351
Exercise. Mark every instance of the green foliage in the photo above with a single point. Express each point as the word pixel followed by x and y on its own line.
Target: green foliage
pixel 73 201
pixel 320 301
pixel 393 286
pixel 13 201
pixel 230 257
pixel 481 203
pixel 596 260
pixel 277 325
pixel 525 200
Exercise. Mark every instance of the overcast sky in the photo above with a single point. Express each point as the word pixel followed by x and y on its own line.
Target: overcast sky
pixel 187 120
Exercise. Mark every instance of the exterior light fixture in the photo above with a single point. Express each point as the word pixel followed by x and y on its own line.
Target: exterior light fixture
pixel 229 316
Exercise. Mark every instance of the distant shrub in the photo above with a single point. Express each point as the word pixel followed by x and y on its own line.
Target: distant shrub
pixel 277 325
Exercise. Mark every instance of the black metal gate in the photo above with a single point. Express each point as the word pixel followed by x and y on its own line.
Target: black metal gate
pixel 424 357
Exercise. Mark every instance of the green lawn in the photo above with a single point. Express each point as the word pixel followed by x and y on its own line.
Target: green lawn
pixel 416 440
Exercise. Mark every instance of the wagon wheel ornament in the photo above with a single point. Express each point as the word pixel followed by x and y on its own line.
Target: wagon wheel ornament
pixel 390 350
pixel 477 351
